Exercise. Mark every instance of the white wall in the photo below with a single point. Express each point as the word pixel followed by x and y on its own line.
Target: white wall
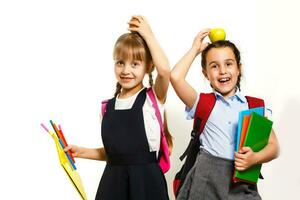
pixel 56 63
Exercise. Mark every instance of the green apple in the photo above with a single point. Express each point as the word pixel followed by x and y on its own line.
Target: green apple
pixel 217 34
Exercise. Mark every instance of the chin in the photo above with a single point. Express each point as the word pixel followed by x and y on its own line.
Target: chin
pixel 129 86
pixel 226 91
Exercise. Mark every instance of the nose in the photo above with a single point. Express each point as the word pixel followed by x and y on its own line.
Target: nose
pixel 126 69
pixel 222 69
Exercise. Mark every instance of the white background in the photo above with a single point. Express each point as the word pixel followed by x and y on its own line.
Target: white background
pixel 56 63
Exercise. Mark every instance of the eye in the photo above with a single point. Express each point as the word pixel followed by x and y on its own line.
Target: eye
pixel 214 66
pixel 229 64
pixel 119 63
pixel 135 64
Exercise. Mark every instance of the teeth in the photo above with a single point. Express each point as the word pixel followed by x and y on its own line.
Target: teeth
pixel 224 79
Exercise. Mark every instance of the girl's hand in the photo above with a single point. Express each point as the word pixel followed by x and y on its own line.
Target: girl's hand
pixel 244 158
pixel 139 24
pixel 76 150
pixel 198 44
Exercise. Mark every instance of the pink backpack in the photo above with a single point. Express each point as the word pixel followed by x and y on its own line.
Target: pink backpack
pixel 164 154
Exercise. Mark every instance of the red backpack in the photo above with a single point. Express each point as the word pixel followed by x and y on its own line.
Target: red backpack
pixel 204 108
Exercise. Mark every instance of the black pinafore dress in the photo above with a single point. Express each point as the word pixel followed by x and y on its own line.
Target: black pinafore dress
pixel 132 171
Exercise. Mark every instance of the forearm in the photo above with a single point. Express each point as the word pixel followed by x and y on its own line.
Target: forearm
pixel 270 152
pixel 181 69
pixel 161 63
pixel 183 89
pixel 93 154
pixel 159 58
pixel 267 154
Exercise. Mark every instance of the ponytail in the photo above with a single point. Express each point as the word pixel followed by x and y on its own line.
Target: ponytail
pixel 168 135
pixel 118 89
pixel 150 79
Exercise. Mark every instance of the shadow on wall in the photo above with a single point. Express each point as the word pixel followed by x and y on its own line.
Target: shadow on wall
pixel 282 177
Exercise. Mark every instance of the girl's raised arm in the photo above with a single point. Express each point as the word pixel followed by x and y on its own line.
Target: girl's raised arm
pixel 184 90
pixel 160 60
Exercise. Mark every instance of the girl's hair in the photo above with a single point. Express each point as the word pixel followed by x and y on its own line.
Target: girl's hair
pixel 168 135
pixel 132 46
pixel 223 44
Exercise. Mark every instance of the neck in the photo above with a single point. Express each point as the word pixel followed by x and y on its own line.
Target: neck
pixel 128 92
pixel 228 94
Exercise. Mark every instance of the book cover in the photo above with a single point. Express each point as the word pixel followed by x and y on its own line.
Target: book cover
pixel 245 125
pixel 259 110
pixel 69 169
pixel 257 138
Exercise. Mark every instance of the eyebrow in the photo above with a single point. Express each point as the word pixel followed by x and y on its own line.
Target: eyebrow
pixel 216 62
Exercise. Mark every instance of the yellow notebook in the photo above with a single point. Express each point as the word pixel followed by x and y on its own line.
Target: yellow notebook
pixel 65 163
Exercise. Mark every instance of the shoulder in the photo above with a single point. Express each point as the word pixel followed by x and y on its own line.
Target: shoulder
pixel 258 101
pixel 151 98
pixel 149 106
pixel 202 100
pixel 103 106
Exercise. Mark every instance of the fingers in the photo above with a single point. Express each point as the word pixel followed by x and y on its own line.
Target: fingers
pixel 67 148
pixel 73 149
pixel 139 18
pixel 240 168
pixel 198 41
pixel 245 149
pixel 134 23
pixel 240 164
pixel 203 33
pixel 136 20
pixel 239 156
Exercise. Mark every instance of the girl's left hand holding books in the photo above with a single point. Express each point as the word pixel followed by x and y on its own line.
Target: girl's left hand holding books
pixel 244 158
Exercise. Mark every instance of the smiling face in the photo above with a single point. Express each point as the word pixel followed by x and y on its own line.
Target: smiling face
pixel 222 70
pixel 132 61
pixel 130 74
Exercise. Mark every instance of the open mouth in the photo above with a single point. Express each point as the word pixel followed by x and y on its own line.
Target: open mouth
pixel 224 80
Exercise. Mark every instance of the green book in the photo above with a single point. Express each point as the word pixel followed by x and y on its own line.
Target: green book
pixel 257 138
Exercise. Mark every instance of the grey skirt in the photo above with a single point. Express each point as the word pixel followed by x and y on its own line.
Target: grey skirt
pixel 211 179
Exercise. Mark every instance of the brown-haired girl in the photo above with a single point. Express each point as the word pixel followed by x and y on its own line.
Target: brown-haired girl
pixel 211 175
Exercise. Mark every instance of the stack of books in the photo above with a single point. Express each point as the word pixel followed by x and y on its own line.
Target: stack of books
pixel 253 131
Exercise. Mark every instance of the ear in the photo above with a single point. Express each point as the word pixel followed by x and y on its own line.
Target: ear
pixel 150 68
pixel 205 73
pixel 240 69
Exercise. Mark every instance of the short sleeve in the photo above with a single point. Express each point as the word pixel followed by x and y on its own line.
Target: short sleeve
pixel 190 112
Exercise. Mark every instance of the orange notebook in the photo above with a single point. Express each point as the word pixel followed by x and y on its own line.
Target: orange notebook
pixel 245 125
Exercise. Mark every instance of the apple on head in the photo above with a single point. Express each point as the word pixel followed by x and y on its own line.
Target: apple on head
pixel 217 34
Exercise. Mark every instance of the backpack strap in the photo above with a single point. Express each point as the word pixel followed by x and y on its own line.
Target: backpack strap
pixel 204 107
pixel 103 107
pixel 151 95
pixel 164 154
pixel 255 102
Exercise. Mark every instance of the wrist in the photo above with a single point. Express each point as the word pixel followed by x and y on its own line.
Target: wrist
pixel 257 158
pixel 194 51
pixel 148 35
